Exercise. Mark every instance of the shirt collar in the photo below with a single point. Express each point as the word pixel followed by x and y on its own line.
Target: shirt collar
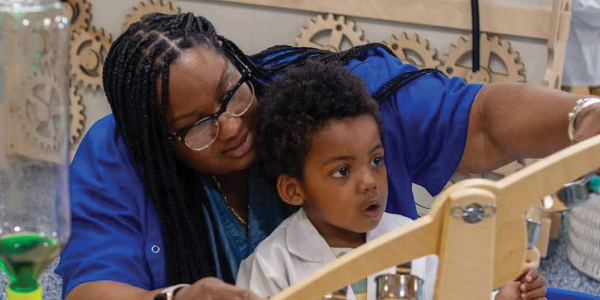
pixel 303 240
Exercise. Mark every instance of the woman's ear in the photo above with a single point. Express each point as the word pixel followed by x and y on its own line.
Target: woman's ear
pixel 290 190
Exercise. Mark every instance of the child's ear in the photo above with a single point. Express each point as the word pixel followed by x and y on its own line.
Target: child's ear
pixel 290 190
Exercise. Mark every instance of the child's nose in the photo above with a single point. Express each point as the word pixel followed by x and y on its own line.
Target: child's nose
pixel 367 180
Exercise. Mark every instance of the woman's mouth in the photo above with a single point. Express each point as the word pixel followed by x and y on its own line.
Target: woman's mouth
pixel 242 148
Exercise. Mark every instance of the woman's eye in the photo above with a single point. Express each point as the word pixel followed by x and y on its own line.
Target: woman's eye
pixel 377 161
pixel 341 172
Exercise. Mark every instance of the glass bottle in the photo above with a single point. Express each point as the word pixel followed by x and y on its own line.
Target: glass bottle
pixel 34 141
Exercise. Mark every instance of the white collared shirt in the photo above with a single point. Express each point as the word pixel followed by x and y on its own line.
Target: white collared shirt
pixel 582 59
pixel 296 249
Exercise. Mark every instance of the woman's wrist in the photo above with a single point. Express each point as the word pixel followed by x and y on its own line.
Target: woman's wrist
pixel 582 109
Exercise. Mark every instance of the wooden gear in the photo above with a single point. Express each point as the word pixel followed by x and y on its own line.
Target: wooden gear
pixel 473 257
pixel 489 45
pixel 339 28
pixel 550 25
pixel 76 115
pixel 146 7
pixel 78 11
pixel 88 51
pixel 403 43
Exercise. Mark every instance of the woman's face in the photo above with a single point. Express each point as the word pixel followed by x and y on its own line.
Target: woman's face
pixel 199 80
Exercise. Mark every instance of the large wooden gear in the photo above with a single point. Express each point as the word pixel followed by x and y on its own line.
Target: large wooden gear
pixel 78 11
pixel 405 46
pixel 88 50
pixel 147 7
pixel 489 45
pixel 339 28
pixel 76 115
pixel 40 114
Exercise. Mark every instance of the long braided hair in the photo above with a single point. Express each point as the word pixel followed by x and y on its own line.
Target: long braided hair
pixel 135 61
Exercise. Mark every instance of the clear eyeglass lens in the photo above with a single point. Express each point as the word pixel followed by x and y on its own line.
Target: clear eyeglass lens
pixel 203 135
pixel 241 100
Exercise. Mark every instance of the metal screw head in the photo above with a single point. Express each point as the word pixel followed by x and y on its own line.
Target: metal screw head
pixel 473 213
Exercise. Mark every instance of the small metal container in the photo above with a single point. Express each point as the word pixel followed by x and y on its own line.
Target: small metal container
pixel 399 286
pixel 576 193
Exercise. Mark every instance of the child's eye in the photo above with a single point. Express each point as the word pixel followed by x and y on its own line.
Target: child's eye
pixel 377 161
pixel 341 172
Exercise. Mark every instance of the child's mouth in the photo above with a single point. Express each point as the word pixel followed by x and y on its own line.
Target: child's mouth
pixel 373 211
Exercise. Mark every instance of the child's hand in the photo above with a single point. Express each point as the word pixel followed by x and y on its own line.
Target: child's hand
pixel 529 286
pixel 533 285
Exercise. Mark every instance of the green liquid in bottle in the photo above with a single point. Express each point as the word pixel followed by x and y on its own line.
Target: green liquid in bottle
pixel 24 257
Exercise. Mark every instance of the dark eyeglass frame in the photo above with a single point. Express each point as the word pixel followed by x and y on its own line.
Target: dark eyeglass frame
pixel 246 75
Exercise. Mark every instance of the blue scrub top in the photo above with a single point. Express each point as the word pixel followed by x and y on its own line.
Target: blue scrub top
pixel 116 233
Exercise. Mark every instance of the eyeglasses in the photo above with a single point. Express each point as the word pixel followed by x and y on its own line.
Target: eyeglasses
pixel 202 133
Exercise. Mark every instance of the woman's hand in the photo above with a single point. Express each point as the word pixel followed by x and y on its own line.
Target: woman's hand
pixel 214 289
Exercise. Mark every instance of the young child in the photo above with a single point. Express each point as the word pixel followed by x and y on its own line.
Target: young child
pixel 321 138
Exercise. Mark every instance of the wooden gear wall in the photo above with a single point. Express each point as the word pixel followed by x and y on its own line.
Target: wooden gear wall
pixel 90 44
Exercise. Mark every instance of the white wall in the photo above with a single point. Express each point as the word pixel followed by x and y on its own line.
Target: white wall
pixel 255 28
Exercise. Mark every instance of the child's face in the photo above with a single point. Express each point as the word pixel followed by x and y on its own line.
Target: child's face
pixel 345 181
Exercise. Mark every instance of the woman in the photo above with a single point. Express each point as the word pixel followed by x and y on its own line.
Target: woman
pixel 166 190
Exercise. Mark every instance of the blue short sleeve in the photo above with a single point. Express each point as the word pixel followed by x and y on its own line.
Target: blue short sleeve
pixel 107 232
pixel 425 122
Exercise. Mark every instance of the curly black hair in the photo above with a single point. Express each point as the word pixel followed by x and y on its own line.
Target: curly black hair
pixel 298 104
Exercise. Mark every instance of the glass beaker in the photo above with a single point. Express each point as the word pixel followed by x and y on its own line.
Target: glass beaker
pixel 34 140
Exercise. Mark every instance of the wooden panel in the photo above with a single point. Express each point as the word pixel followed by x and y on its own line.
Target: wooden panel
pixel 544 237
pixel 467 250
pixel 557 43
pixel 524 21
pixel 532 260
pixel 556 218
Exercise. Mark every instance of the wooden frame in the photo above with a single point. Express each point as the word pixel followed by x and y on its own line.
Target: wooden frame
pixel 474 258
pixel 523 21
pixel 551 23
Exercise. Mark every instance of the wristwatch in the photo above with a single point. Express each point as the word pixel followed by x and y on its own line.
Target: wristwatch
pixel 169 293
pixel 579 106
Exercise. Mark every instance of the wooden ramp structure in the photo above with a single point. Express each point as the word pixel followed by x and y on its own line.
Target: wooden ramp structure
pixel 477 252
